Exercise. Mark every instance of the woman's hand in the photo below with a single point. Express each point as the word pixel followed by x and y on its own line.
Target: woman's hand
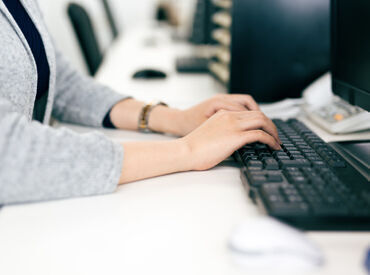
pixel 211 143
pixel 125 114
pixel 192 118
pixel 226 132
pixel 185 121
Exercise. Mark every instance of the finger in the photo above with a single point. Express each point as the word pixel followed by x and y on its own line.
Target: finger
pixel 258 125
pixel 227 106
pixel 262 137
pixel 247 101
pixel 255 121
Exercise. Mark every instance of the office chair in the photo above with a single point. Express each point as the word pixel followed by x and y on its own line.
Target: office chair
pixel 86 36
pixel 279 47
pixel 110 18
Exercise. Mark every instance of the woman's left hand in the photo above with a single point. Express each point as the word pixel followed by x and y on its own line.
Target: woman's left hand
pixel 192 118
pixel 124 114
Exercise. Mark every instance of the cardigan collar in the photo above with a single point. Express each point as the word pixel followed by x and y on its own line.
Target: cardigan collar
pixel 31 8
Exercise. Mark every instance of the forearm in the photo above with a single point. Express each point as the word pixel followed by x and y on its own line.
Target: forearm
pixel 125 115
pixel 78 98
pixel 56 163
pixel 217 139
pixel 150 159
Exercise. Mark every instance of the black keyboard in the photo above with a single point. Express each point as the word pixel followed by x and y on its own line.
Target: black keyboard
pixel 306 184
pixel 192 65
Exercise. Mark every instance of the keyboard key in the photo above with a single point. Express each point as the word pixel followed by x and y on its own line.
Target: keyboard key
pixel 282 158
pixel 256 177
pixel 291 152
pixel 291 175
pixel 298 179
pixel 337 164
pixel 257 180
pixel 271 164
pixel 319 164
pixel 288 208
pixel 290 148
pixel 280 154
pixel 294 163
pixel 307 152
pixel 255 164
pixel 303 147
pixel 297 157
pixel 248 158
pixel 316 180
pixel 295 198
pixel 292 169
pixel 264 155
pixel 260 146
pixel 275 177
pixel 289 190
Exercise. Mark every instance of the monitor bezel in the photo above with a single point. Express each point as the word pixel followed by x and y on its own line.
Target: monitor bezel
pixel 345 90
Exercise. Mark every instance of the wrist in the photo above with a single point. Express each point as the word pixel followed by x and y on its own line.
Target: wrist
pixel 166 120
pixel 183 148
pixel 124 115
pixel 150 159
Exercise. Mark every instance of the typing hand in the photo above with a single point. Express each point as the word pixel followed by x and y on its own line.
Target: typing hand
pixel 225 132
pixel 192 118
pixel 205 147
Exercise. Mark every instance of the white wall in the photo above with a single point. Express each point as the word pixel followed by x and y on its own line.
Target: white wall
pixel 134 12
pixel 59 26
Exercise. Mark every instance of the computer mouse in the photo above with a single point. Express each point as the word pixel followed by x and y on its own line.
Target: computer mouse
pixel 149 74
pixel 265 243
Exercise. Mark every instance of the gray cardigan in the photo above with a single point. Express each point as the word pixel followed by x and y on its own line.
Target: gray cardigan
pixel 38 162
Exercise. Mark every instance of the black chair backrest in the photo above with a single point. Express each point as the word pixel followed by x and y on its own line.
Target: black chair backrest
pixel 278 46
pixel 86 36
pixel 110 18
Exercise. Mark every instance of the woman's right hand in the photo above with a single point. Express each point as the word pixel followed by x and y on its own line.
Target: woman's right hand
pixel 224 133
pixel 215 140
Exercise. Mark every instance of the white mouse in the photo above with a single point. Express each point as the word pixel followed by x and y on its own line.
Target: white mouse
pixel 266 243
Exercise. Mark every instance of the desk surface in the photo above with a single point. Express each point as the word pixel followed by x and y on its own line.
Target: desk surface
pixel 176 224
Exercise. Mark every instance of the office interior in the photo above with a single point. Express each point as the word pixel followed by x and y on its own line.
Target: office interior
pixel 304 210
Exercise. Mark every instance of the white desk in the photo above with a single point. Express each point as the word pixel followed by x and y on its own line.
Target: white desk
pixel 176 224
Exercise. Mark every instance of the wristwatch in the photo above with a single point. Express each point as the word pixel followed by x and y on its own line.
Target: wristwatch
pixel 143 125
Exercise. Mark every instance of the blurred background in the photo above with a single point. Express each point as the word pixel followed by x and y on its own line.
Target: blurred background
pixel 271 49
pixel 127 15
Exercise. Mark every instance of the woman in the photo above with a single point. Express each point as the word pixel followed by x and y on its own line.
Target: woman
pixel 41 163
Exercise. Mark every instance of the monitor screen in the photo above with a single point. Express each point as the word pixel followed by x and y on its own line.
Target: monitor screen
pixel 278 47
pixel 351 50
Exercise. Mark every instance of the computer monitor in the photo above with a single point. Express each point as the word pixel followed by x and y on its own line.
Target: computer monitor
pixel 279 47
pixel 351 51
